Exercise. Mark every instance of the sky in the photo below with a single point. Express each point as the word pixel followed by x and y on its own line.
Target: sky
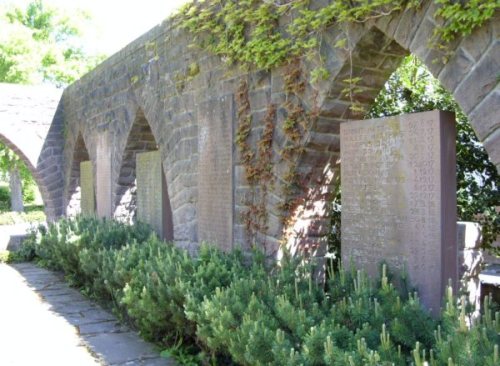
pixel 115 23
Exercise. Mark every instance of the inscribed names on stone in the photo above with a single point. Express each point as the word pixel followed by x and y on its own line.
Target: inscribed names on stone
pixel 103 176
pixel 215 179
pixel 87 202
pixel 149 190
pixel 399 198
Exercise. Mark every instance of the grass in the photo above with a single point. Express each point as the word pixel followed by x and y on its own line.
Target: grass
pixel 32 213
pixel 33 206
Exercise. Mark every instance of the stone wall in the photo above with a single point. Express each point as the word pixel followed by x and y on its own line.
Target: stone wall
pixel 140 140
pixel 181 91
pixel 153 204
pixel 87 202
pixel 399 199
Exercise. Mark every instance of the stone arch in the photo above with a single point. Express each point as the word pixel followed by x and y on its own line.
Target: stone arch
pixel 31 119
pixel 173 118
pixel 140 139
pixel 377 49
pixel 73 187
pixel 34 172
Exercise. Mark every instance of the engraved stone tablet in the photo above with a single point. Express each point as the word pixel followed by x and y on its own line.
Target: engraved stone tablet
pixel 149 190
pixel 87 186
pixel 215 180
pixel 399 198
pixel 103 177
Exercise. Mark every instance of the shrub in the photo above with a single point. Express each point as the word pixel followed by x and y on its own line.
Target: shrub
pixel 238 309
pixel 4 198
pixel 29 192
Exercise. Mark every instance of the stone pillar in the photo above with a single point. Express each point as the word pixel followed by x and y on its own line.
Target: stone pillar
pixel 215 208
pixel 399 199
pixel 16 190
pixel 87 202
pixel 103 176
pixel 153 204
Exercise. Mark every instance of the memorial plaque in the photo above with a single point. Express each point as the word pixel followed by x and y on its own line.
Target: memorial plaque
pixel 215 169
pixel 87 202
pixel 152 199
pixel 399 198
pixel 103 177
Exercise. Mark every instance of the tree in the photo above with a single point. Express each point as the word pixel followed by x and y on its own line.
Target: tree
pixel 41 44
pixel 20 178
pixel 38 44
pixel 411 89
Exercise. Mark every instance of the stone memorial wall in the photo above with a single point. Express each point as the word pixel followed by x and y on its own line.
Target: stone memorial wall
pixel 87 202
pixel 149 174
pixel 191 99
pixel 399 198
pixel 103 176
pixel 215 167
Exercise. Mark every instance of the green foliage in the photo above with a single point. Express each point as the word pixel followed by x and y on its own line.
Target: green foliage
pixel 461 18
pixel 6 256
pixel 153 297
pixel 25 253
pixel 413 89
pixel 475 346
pixel 252 33
pixel 10 161
pixel 29 190
pixel 32 213
pixel 230 308
pixel 4 198
pixel 248 32
pixel 41 44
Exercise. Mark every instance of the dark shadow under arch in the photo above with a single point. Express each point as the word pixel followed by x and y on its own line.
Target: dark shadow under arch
pixel 73 195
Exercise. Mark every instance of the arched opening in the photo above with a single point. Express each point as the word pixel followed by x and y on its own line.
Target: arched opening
pixel 349 96
pixel 21 193
pixel 74 187
pixel 139 142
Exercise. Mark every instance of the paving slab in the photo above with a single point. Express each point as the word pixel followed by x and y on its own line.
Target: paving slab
pixel 45 322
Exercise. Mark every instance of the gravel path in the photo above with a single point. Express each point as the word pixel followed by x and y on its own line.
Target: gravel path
pixel 45 322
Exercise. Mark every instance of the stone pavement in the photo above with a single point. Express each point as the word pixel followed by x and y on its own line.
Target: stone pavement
pixel 45 322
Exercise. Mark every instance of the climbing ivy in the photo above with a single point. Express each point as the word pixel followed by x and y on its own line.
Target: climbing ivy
pixel 294 128
pixel 265 34
pixel 257 164
pixel 462 17
pixel 249 32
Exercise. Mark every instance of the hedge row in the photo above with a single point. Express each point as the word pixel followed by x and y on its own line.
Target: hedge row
pixel 231 308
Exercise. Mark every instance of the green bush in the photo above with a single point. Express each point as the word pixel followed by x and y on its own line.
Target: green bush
pixel 235 308
pixel 29 192
pixel 4 198
pixel 29 195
